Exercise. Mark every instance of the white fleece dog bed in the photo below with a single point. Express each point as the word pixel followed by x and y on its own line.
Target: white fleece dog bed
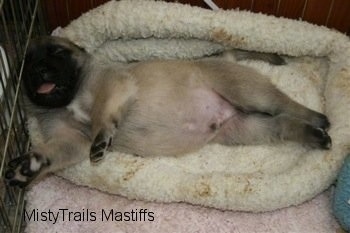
pixel 248 178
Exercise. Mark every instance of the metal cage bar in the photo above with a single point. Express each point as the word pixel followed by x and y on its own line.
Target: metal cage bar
pixel 19 21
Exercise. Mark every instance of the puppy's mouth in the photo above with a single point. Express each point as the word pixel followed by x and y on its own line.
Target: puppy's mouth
pixel 46 88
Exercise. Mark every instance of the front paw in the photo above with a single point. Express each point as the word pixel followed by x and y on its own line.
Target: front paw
pixel 99 147
pixel 318 138
pixel 22 170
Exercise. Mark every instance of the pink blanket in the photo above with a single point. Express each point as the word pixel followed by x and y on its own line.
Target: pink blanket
pixel 56 205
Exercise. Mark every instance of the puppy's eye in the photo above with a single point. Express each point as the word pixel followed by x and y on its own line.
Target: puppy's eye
pixel 59 51
pixel 56 50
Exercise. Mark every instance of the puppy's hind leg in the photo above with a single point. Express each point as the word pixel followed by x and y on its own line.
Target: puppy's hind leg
pixel 238 55
pixel 252 129
pixel 251 92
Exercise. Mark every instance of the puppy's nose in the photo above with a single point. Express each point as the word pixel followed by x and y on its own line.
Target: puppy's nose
pixel 44 73
pixel 42 70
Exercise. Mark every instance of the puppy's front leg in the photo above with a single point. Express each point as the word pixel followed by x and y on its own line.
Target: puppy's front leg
pixel 67 148
pixel 100 145
pixel 115 95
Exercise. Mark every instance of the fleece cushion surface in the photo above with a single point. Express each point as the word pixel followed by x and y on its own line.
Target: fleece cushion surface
pixel 248 178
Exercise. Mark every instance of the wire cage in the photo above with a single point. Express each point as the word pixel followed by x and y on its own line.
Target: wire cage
pixel 19 21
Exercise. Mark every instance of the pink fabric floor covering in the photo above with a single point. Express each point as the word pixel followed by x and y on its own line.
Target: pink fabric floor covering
pixel 79 209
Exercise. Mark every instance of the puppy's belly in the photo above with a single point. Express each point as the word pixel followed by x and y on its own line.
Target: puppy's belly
pixel 183 124
pixel 205 113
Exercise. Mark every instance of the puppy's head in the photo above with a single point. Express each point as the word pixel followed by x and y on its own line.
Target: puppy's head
pixel 52 71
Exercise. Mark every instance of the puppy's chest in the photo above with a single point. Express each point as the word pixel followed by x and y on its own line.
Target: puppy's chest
pixel 80 108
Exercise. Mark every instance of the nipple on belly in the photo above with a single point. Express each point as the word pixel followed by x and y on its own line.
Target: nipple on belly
pixel 215 126
pixel 209 127
pixel 190 126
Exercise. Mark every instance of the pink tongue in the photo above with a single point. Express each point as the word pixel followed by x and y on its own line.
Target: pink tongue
pixel 46 88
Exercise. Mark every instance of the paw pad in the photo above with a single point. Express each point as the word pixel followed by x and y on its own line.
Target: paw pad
pixel 22 170
pixel 99 147
pixel 320 138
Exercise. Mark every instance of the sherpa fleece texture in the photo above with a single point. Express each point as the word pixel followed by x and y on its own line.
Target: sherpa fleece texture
pixel 249 178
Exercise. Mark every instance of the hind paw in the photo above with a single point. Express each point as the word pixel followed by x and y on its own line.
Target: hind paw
pixel 319 138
